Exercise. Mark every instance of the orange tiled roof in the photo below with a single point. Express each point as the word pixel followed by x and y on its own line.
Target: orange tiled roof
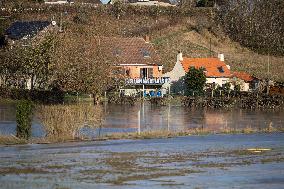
pixel 213 66
pixel 244 76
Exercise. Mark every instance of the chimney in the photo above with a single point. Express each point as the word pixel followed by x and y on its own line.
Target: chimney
pixel 228 66
pixel 221 57
pixel 147 39
pixel 179 56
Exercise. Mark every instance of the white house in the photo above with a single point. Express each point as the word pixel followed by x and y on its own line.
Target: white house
pixel 216 71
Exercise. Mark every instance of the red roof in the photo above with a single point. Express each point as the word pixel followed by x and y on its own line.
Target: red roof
pixel 213 66
pixel 244 76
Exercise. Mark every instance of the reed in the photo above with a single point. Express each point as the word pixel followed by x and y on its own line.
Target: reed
pixel 11 140
pixel 62 122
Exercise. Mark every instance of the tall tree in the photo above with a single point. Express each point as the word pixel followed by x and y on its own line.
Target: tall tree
pixel 82 66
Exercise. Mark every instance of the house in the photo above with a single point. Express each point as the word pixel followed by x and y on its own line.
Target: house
pixel 138 62
pixel 215 69
pixel 24 31
pixel 27 33
pixel 246 81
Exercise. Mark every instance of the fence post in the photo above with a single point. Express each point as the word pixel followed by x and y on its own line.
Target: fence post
pixel 139 129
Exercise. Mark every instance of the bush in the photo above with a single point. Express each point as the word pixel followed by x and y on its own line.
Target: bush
pixel 54 96
pixel 24 114
pixel 195 80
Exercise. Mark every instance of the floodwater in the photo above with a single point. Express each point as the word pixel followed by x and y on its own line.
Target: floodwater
pixel 147 117
pixel 213 161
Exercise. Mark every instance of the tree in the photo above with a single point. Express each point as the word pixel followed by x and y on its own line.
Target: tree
pixel 32 63
pixel 256 24
pixel 195 80
pixel 82 66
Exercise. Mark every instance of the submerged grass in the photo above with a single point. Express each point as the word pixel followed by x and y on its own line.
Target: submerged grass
pixel 17 171
pixel 189 132
pixel 11 140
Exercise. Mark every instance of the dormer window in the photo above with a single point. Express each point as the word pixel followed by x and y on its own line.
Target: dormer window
pixel 221 69
pixel 145 53
pixel 117 52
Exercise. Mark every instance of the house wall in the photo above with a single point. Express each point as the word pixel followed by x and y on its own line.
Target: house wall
pixel 135 71
pixel 244 86
pixel 217 81
pixel 176 82
pixel 176 73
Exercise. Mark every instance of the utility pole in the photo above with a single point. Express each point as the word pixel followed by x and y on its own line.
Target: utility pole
pixel 268 78
pixel 268 64
pixel 60 24
pixel 210 48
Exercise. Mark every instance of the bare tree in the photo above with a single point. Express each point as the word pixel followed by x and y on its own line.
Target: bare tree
pixel 82 66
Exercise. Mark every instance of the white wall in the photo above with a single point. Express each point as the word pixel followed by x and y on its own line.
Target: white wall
pixel 244 86
pixel 176 73
pixel 219 81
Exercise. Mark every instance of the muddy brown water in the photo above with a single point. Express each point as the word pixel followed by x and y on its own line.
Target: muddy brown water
pixel 125 118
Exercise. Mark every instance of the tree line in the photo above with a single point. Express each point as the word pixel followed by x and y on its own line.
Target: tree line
pixel 257 24
pixel 67 61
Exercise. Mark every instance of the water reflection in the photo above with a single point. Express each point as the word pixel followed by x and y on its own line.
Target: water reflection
pixel 125 118
pixel 176 118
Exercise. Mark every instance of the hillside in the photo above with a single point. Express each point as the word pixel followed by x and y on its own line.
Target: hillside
pixel 170 29
pixel 197 44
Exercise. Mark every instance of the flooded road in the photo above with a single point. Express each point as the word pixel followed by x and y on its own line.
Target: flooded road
pixel 213 161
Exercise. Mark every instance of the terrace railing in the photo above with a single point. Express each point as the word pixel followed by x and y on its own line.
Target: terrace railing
pixel 147 81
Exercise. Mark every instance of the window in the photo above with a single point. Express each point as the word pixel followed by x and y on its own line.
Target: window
pixel 221 69
pixel 127 72
pixel 145 53
pixel 146 72
pixel 143 73
pixel 117 52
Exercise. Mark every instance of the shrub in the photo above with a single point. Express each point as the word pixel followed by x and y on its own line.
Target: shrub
pixel 24 114
pixel 53 96
pixel 195 80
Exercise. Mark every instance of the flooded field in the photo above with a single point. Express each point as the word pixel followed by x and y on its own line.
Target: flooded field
pixel 146 117
pixel 213 161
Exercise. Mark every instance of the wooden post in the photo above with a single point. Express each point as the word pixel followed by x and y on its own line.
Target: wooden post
pixel 143 92
pixel 168 120
pixel 139 128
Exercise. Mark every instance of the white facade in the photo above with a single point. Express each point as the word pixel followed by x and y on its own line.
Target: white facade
pixel 178 72
pixel 217 80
